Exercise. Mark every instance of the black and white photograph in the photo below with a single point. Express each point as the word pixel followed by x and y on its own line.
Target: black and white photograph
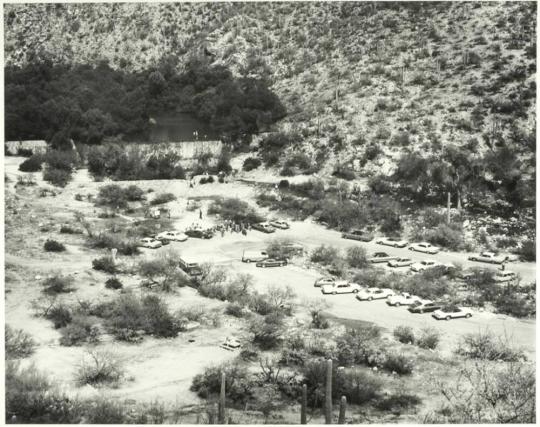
pixel 269 212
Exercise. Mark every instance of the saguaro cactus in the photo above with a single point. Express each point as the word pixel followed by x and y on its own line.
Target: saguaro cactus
pixel 342 410
pixel 328 394
pixel 221 408
pixel 303 412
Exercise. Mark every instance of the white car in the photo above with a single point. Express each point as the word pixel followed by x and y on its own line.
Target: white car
pixel 400 262
pixel 424 265
pixel 150 243
pixel 452 313
pixel 425 247
pixel 489 257
pixel 177 236
pixel 403 299
pixel 279 224
pixel 324 281
pixel 389 241
pixel 374 293
pixel 505 276
pixel 341 287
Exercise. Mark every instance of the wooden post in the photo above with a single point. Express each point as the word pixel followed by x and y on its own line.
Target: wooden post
pixel 459 200
pixel 303 411
pixel 221 407
pixel 448 208
pixel 328 394
pixel 342 410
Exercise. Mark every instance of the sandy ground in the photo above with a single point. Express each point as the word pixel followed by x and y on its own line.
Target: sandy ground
pixel 163 369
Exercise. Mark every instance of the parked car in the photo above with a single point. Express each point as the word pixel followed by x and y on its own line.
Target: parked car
pixel 270 262
pixel 254 256
pixel 424 306
pixel 280 224
pixel 149 242
pixel 390 241
pixel 424 265
pixel 374 293
pixel 448 313
pixel 400 262
pixel 425 247
pixel 505 276
pixel 199 233
pixel 403 299
pixel 324 281
pixel 341 287
pixel 264 227
pixel 381 257
pixel 363 236
pixel 176 236
pixel 489 257
pixel 164 241
pixel 192 269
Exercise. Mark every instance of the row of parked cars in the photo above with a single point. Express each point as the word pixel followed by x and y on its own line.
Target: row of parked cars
pixel 165 237
pixel 330 285
pixel 271 227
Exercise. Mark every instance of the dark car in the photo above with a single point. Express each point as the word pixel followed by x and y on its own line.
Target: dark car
pixel 381 257
pixel 425 307
pixel 199 234
pixel 358 235
pixel 272 263
pixel 164 241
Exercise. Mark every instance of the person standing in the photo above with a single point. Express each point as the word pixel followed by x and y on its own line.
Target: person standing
pixel 200 213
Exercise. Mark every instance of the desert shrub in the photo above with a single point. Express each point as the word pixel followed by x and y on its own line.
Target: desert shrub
pixel 447 236
pixel 380 184
pixel 80 330
pixel 511 302
pixel 18 344
pixel 398 363
pixel 31 398
pixel 134 193
pixel 527 251
pixel 293 357
pixel 283 184
pixel 112 195
pixel 404 334
pixel 32 164
pixel 429 338
pixel 162 198
pixel 163 272
pixel 251 163
pixel 53 246
pixel 67 229
pixel 99 368
pixel 103 410
pixel 396 403
pixel 401 139
pixel 344 172
pixel 267 332
pixel 60 315
pixel 235 309
pixel 24 152
pixel 58 284
pixel 126 247
pixel 486 346
pixel 106 264
pixel 57 177
pixel 325 255
pixel 235 210
pixel 283 248
pixel 357 257
pixel 238 383
pixel 113 283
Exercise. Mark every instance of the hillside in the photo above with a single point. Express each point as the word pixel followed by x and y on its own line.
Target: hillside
pixel 352 76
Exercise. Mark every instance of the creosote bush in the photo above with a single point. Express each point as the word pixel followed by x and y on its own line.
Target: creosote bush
pixel 113 283
pixel 404 334
pixel 162 198
pixel 106 264
pixel 486 346
pixel 53 246
pixel 58 284
pixel 100 367
pixel 18 344
pixel 81 329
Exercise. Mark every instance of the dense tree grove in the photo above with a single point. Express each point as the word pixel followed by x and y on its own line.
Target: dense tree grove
pixel 87 104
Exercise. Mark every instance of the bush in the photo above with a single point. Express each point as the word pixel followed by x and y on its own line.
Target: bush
pixel 126 247
pixel 58 177
pixel 429 339
pixel 283 184
pixel 268 332
pixel 106 264
pixel 512 303
pixel 18 344
pixel 80 330
pixel 66 229
pixel 398 363
pixel 53 246
pixel 235 309
pixel 404 334
pixel 447 236
pixel 325 255
pixel 60 315
pixel 238 383
pixel 58 284
pixel 112 195
pixel 396 403
pixel 99 368
pixel 32 164
pixel 113 283
pixel 357 257
pixel 251 163
pixel 527 251
pixel 162 198
pixel 344 173
pixel 486 346
pixel 134 193
pixel 24 152
pixel 235 210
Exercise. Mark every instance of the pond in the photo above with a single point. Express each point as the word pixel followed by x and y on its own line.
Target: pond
pixel 180 127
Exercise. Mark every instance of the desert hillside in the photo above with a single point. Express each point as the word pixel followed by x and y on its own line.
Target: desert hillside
pixel 351 75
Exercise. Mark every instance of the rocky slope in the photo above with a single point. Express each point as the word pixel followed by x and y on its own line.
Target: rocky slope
pixel 375 78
